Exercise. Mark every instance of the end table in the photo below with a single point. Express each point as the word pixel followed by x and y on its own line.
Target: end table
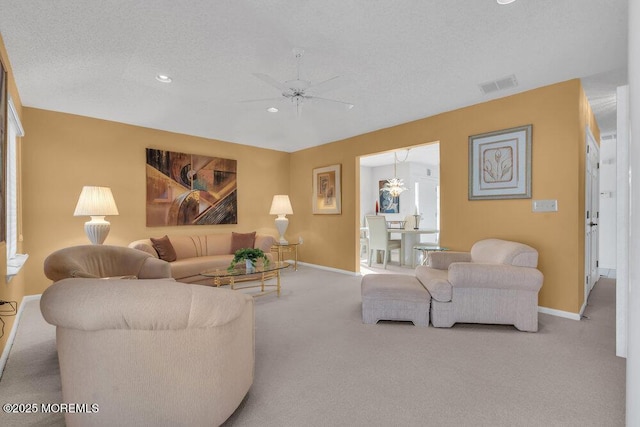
pixel 282 248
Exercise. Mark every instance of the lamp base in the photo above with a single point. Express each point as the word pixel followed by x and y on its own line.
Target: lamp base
pixel 282 222
pixel 97 229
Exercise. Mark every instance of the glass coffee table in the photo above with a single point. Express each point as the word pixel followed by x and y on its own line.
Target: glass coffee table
pixel 426 252
pixel 223 276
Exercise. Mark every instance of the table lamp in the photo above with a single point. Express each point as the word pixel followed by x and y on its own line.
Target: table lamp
pixel 96 202
pixel 281 206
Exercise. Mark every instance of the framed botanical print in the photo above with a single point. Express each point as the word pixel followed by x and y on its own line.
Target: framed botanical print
pixel 500 164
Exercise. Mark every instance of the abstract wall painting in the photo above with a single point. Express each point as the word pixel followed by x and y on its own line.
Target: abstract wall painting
pixel 388 203
pixel 500 164
pixel 190 189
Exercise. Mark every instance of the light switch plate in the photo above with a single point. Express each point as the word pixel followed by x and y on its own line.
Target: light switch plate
pixel 544 206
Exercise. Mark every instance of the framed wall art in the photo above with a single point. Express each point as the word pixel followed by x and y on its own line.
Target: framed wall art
pixel 500 164
pixel 4 99
pixel 388 203
pixel 326 190
pixel 190 189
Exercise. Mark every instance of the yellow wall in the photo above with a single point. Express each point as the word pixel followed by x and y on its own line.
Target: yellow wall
pixel 558 114
pixel 64 152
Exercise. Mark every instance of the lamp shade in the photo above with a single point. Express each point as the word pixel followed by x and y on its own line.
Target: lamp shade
pixel 281 205
pixel 96 201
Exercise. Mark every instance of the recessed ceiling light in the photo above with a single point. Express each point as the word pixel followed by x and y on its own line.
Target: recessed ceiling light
pixel 163 78
pixel 272 109
pixel 505 1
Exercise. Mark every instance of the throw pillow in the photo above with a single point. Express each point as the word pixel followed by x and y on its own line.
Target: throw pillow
pixel 164 248
pixel 242 241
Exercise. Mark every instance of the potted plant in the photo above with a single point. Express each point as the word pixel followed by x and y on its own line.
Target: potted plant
pixel 250 256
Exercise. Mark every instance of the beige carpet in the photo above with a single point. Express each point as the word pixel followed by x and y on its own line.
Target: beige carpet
pixel 317 364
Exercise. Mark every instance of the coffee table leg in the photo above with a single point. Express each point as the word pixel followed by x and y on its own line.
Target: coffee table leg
pixel 231 283
pixel 216 281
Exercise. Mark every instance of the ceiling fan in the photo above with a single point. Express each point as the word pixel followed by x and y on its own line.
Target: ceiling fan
pixel 295 90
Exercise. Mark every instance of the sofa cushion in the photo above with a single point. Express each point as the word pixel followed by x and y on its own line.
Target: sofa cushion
pixel 436 281
pixel 164 248
pixel 242 241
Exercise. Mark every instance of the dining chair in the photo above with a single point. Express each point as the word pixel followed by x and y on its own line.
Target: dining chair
pixel 364 241
pixel 379 239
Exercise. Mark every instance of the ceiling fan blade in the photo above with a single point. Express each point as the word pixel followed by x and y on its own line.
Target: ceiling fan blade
pixel 271 81
pixel 330 102
pixel 327 85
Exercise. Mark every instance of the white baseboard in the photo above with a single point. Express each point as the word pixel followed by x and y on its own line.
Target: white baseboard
pixel 14 328
pixel 607 272
pixel 335 270
pixel 559 313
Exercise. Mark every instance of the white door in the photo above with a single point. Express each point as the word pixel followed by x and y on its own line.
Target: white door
pixel 592 198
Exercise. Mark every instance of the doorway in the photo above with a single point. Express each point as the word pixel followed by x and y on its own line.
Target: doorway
pixel 419 168
pixel 592 199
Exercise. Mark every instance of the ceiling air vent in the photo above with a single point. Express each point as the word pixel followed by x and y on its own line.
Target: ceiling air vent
pixel 500 84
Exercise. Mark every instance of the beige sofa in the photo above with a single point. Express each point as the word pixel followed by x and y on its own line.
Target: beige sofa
pixel 151 352
pixel 497 282
pixel 194 254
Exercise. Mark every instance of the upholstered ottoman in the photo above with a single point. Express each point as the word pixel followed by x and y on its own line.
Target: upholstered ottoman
pixel 394 297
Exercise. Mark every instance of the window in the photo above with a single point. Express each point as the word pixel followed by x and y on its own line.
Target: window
pixel 15 261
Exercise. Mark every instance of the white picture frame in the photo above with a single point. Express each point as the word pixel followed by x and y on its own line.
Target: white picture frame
pixel 500 164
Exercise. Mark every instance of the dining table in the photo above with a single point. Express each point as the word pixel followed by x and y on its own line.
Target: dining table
pixel 409 238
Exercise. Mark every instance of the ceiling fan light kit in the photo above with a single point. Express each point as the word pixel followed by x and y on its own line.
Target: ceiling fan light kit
pixel 295 90
pixel 163 78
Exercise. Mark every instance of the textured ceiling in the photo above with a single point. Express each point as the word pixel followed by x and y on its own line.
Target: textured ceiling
pixel 398 61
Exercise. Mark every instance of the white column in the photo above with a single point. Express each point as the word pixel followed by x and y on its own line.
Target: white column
pixel 633 357
pixel 622 221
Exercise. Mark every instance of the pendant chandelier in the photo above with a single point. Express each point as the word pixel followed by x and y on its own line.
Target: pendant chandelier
pixel 395 186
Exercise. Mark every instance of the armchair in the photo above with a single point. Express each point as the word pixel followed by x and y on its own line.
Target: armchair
pixel 160 353
pixel 497 282
pixel 94 261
